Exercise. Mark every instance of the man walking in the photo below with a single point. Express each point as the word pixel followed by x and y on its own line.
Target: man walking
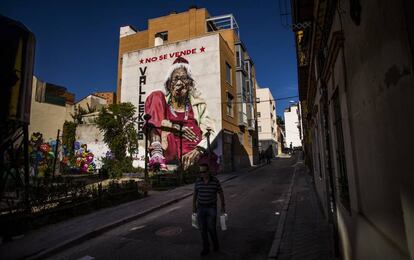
pixel 205 205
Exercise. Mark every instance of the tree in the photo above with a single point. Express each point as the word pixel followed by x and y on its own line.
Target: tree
pixel 69 135
pixel 90 108
pixel 117 123
pixel 77 116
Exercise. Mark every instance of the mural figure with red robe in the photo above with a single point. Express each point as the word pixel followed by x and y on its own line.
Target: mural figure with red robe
pixel 179 107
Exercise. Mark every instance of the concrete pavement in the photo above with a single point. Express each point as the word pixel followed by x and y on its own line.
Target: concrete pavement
pixel 50 239
pixel 303 232
pixel 251 202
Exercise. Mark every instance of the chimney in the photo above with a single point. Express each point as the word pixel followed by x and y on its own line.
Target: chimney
pixel 158 40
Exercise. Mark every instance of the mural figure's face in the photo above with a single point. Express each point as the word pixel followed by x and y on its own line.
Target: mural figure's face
pixel 180 84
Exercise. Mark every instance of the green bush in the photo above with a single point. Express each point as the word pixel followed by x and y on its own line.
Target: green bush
pixel 112 168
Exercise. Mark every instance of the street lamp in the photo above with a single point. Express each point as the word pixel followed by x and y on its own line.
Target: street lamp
pixel 208 144
pixel 181 124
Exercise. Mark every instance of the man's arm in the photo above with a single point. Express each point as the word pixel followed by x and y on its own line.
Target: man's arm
pixel 221 195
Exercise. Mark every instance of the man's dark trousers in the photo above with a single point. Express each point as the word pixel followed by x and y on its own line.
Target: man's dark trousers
pixel 207 217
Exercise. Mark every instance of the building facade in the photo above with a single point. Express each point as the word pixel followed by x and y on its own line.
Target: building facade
pixel 218 68
pixel 51 105
pixel 292 126
pixel 266 121
pixel 109 96
pixel 355 71
pixel 91 103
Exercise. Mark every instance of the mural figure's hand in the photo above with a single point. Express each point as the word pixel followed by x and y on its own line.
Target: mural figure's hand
pixel 189 134
pixel 191 158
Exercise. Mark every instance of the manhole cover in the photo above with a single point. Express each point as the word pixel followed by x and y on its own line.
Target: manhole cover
pixel 168 231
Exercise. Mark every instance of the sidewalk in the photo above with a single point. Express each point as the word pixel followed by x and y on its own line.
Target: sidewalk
pixel 306 233
pixel 53 238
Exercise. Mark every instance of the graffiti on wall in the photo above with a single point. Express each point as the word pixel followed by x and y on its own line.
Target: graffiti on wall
pixel 179 87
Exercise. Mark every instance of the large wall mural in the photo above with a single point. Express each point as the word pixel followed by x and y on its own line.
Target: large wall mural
pixel 178 85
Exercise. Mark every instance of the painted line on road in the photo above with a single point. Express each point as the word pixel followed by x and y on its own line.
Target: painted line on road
pixel 135 228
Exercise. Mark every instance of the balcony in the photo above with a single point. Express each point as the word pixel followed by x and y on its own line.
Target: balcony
pixel 251 125
pixel 222 22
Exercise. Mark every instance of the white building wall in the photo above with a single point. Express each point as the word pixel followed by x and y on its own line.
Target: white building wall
pixel 90 135
pixel 93 102
pixel 146 71
pixel 291 126
pixel 267 120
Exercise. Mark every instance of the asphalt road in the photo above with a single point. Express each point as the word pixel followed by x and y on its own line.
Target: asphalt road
pixel 252 202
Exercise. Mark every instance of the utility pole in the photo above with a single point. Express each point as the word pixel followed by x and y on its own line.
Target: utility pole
pixel 56 150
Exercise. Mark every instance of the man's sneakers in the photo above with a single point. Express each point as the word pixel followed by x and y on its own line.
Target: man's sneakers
pixel 205 252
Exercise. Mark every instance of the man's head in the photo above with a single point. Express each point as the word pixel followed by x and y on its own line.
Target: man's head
pixel 180 82
pixel 204 170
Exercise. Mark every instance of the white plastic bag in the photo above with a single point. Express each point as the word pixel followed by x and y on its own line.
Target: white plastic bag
pixel 194 220
pixel 223 221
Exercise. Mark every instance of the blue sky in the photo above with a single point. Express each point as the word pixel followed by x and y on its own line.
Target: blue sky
pixel 77 41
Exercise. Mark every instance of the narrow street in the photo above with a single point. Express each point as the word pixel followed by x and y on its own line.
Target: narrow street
pixel 253 201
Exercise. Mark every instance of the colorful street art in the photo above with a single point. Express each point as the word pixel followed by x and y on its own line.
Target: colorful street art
pixel 42 157
pixel 84 158
pixel 182 94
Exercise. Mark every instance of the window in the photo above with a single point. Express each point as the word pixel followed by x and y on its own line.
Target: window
pixel 229 105
pixel 273 129
pixel 239 56
pixel 247 68
pixel 162 35
pixel 258 114
pixel 248 86
pixel 228 73
pixel 259 128
pixel 340 153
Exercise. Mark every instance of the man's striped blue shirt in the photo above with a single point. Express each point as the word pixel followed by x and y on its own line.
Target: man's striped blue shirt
pixel 207 192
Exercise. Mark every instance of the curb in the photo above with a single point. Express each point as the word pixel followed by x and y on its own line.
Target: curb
pixel 274 250
pixel 94 233
pixel 252 169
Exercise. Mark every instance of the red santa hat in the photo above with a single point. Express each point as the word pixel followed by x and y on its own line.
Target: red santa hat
pixel 178 63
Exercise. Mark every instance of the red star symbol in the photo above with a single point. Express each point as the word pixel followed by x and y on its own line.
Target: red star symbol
pixel 141 61
pixel 202 49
